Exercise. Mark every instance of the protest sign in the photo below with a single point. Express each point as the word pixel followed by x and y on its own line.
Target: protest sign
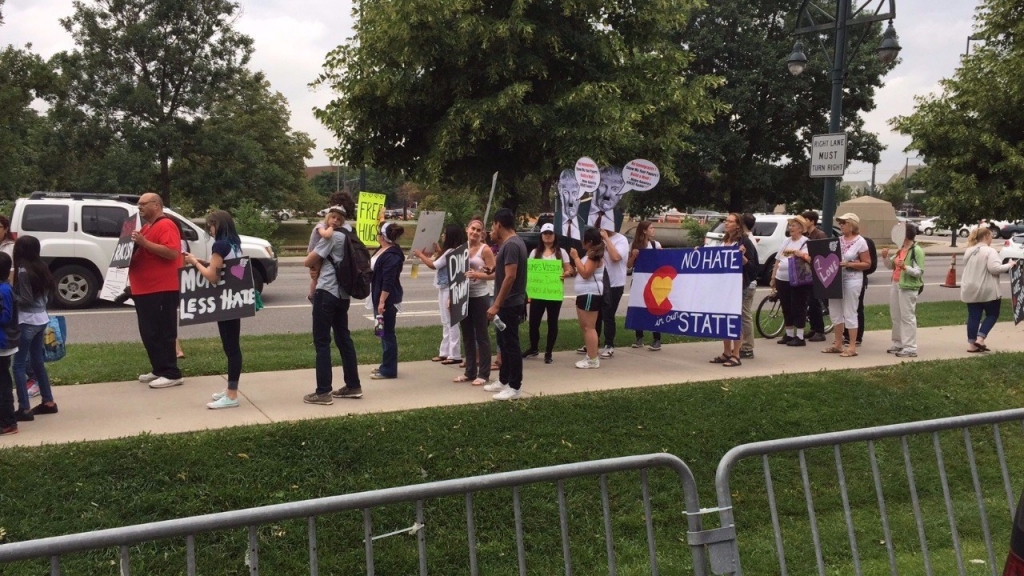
pixel 828 276
pixel 690 292
pixel 458 284
pixel 569 196
pixel 1017 294
pixel 640 175
pixel 587 174
pixel 544 279
pixel 370 211
pixel 233 297
pixel 114 283
pixel 428 230
pixel 125 246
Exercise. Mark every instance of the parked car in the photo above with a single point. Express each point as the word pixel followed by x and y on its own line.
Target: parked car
pixel 768 233
pixel 1013 248
pixel 78 233
pixel 1010 229
pixel 280 214
pixel 930 226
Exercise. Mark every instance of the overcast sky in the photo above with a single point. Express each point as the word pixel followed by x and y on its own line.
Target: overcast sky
pixel 293 36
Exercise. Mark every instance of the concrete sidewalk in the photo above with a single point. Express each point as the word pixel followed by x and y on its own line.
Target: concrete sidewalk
pixel 118 409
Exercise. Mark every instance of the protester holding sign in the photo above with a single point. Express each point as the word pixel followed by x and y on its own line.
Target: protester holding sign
pixel 643 239
pixel 475 339
pixel 788 281
pixel 907 267
pixel 226 246
pixel 33 286
pixel 454 236
pixel 590 288
pixel 330 312
pixel 548 249
pixel 386 295
pixel 855 259
pixel 153 276
pixel 979 287
pixel 736 235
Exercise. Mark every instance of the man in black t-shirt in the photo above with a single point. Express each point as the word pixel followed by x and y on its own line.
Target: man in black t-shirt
pixel 509 307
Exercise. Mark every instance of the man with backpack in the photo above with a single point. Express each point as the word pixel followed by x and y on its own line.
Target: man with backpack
pixel 333 256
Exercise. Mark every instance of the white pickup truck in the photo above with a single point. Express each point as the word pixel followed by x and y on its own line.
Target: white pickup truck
pixel 78 232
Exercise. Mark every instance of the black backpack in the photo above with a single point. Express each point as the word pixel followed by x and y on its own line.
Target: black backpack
pixel 874 256
pixel 353 272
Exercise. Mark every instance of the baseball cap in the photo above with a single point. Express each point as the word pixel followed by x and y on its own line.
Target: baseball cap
pixel 849 216
pixel 549 227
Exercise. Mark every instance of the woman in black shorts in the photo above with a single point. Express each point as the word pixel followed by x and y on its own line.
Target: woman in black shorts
pixel 589 285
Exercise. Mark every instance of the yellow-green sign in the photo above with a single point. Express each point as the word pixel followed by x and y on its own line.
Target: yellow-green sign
pixel 544 279
pixel 370 209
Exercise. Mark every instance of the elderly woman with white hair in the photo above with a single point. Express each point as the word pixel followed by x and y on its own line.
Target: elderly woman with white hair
pixel 855 258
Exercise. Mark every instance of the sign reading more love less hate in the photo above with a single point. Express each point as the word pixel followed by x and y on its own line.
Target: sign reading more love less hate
pixel 233 297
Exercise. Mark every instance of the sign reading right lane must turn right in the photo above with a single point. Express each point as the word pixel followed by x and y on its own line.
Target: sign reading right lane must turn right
pixel 828 155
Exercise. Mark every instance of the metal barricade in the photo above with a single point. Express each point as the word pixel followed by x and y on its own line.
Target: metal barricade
pixel 915 537
pixel 251 519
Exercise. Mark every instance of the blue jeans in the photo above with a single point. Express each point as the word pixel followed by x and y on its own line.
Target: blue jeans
pixel 30 349
pixel 974 312
pixel 331 313
pixel 389 343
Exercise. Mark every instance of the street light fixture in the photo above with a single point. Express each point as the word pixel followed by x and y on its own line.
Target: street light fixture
pixel 808 22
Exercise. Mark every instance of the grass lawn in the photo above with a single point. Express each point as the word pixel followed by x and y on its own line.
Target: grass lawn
pixel 69 488
pixel 86 363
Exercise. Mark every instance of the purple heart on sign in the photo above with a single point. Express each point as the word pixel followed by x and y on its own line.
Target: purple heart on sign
pixel 826 268
pixel 238 271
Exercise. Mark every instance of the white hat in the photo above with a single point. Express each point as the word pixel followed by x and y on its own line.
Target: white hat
pixel 338 208
pixel 549 227
pixel 849 216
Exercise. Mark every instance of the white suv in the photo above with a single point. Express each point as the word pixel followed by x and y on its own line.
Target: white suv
pixel 768 234
pixel 78 232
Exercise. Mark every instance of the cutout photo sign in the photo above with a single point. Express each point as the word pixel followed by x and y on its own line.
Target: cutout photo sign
pixel 1017 294
pixel 640 175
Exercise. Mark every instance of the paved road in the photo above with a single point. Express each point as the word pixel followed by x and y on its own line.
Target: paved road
pixel 287 310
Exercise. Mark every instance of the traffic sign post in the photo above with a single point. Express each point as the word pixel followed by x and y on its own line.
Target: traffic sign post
pixel 828 155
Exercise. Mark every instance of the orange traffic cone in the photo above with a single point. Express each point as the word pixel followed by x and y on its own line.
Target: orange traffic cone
pixel 951 275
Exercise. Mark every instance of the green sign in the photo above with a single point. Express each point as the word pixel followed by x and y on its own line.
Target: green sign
pixel 544 279
pixel 371 212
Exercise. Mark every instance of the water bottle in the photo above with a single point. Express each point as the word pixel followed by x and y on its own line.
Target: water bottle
pixel 378 326
pixel 499 323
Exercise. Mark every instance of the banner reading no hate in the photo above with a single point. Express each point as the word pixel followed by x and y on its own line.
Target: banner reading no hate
pixel 370 207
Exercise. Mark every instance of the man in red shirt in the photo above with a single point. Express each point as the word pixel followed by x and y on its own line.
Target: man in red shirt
pixel 153 276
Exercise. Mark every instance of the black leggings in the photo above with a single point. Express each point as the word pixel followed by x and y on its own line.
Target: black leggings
pixel 537 309
pixel 794 302
pixel 230 333
pixel 475 338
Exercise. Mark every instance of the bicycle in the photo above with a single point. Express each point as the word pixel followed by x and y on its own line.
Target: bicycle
pixel 770 321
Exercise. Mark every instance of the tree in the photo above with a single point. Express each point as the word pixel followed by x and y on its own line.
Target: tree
pixel 148 70
pixel 244 149
pixel 971 136
pixel 757 150
pixel 454 91
pixel 23 77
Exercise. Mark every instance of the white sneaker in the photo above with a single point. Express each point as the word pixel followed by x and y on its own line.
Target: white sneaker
pixel 223 402
pixel 33 390
pixel 162 382
pixel 588 363
pixel 893 349
pixel 608 352
pixel 218 395
pixel 147 377
pixel 509 393
pixel 495 386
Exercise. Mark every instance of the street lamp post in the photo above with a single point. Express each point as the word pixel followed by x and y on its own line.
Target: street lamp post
pixel 845 17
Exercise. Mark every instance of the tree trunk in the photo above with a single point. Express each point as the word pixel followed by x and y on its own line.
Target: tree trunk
pixel 165 179
pixel 545 194
pixel 735 200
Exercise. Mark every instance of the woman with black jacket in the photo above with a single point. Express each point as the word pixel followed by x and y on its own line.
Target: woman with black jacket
pixel 386 295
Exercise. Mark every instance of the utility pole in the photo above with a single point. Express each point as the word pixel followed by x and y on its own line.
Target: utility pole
pixel 873 167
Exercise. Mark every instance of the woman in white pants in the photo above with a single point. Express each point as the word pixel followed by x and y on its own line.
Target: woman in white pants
pixel 854 260
pixel 454 236
pixel 907 267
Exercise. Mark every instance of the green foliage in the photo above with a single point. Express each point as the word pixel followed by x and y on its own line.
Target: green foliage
pixel 250 221
pixel 970 135
pixel 696 231
pixel 460 203
pixel 244 149
pixel 454 91
pixel 23 77
pixel 146 73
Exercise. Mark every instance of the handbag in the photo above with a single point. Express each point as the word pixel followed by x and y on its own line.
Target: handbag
pixel 799 272
pixel 54 339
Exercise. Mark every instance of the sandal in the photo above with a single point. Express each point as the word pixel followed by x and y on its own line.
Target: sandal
pixel 479 382
pixel 719 359
pixel 462 364
pixel 832 350
pixel 438 358
pixel 848 354
pixel 460 379
pixel 450 361
pixel 495 366
pixel 732 362
pixel 982 347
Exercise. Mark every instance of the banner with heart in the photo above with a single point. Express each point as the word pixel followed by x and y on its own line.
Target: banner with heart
pixel 825 259
pixel 691 292
pixel 201 301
